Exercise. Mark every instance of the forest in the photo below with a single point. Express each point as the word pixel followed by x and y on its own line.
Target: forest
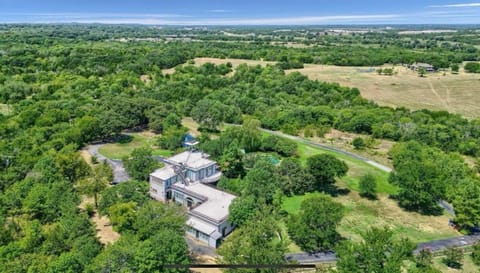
pixel 64 86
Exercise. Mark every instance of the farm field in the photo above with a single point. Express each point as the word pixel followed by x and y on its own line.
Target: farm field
pixel 457 93
pixel 120 149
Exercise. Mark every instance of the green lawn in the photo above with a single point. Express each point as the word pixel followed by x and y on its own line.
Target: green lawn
pixel 357 168
pixel 361 213
pixel 120 150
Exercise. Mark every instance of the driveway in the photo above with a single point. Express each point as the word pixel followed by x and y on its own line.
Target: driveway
pixel 119 173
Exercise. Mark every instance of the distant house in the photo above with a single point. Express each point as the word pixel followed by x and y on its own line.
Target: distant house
pixel 427 67
pixel 184 179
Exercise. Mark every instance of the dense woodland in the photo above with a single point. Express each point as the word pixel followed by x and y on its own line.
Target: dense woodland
pixel 63 87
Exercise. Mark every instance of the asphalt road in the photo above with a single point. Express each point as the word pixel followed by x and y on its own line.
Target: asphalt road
pixel 119 173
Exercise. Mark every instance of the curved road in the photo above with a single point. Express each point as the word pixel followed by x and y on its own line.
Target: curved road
pixel 119 173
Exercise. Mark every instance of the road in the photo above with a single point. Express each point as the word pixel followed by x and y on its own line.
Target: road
pixel 434 246
pixel 119 173
pixel 330 148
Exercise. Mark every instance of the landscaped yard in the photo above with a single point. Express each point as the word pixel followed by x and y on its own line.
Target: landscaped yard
pixel 122 149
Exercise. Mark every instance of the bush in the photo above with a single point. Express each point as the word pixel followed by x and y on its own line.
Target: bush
pixel 472 67
pixel 368 186
pixel 476 254
pixel 90 209
pixel 358 143
pixel 453 258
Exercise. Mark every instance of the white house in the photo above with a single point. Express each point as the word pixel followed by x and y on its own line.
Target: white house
pixel 184 179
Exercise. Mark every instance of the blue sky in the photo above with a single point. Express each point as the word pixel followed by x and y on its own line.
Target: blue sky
pixel 241 12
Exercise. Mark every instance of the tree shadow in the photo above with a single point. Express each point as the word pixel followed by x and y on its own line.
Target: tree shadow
pixel 335 191
pixel 123 139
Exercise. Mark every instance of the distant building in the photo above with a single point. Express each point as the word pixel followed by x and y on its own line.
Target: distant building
pixel 427 67
pixel 184 180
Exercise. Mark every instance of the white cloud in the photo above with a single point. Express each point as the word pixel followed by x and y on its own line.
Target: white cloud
pixel 219 11
pixel 464 5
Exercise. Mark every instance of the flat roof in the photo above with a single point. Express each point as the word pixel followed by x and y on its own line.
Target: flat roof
pixel 201 226
pixel 216 207
pixel 164 173
pixel 194 160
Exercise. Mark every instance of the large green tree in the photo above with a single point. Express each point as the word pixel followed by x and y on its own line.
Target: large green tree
pixel 467 204
pixel 140 164
pixel 324 168
pixel 378 252
pixel 257 242
pixel 313 228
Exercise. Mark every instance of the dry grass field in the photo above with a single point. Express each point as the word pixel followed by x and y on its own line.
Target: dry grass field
pixel 457 93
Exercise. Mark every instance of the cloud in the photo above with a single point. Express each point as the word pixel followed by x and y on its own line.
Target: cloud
pixel 464 5
pixel 220 11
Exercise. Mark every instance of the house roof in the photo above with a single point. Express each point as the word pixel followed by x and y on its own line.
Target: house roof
pixel 215 207
pixel 194 160
pixel 201 226
pixel 164 173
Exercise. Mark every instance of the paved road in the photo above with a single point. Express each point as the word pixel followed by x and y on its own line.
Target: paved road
pixel 434 246
pixel 119 173
pixel 330 148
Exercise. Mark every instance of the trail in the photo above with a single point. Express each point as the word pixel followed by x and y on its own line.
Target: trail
pixel 445 103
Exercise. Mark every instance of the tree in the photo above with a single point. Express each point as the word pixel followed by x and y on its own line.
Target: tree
pixel 122 215
pixel 71 165
pixel 368 186
pixel 466 203
pixel 154 216
pixel 172 138
pixel 101 176
pixel 313 228
pixel 324 168
pixel 378 252
pixel 455 68
pixel 424 259
pixel 140 164
pixel 476 254
pixel 358 143
pixel 422 71
pixel 231 162
pixel 242 209
pixel 261 182
pixel 117 257
pixel 258 242
pixel 166 246
pixel 209 113
pixel 453 258
pixel 294 179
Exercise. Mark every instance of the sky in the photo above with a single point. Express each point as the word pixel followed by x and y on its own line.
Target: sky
pixel 241 12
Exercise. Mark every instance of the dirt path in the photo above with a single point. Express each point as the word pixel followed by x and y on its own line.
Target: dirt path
pixel 442 101
pixel 105 233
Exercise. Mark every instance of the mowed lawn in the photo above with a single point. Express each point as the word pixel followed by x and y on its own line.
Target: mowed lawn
pixel 122 149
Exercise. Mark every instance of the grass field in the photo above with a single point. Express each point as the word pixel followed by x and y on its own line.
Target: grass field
pixel 144 139
pixel 361 213
pixel 458 93
pixel 356 169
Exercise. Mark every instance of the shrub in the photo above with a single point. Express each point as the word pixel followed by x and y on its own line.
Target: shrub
pixel 453 258
pixel 368 186
pixel 358 143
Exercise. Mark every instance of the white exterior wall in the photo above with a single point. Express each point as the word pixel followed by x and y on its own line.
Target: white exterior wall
pixel 157 189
